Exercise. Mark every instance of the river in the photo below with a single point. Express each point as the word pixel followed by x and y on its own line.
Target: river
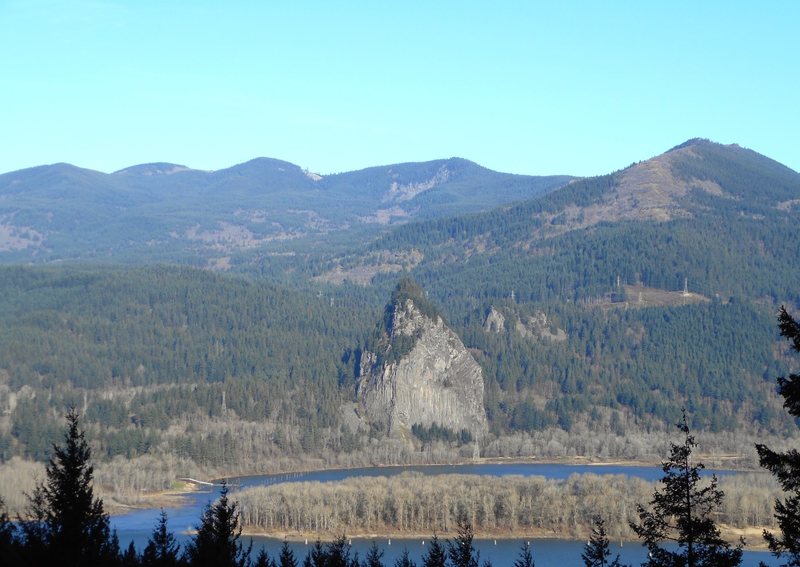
pixel 137 526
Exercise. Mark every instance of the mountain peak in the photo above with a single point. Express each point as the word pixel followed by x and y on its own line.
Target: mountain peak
pixel 691 142
pixel 265 163
pixel 408 290
pixel 677 184
pixel 150 169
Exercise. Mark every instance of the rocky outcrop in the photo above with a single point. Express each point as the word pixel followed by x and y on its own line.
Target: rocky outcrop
pixel 422 374
pixel 495 322
pixel 399 193
pixel 537 326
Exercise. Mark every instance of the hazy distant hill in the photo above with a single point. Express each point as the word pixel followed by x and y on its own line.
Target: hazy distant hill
pixel 162 211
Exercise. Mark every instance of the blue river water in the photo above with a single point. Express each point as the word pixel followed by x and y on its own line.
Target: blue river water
pixel 138 525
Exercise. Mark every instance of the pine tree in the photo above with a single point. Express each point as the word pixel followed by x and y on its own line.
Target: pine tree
pixel 461 551
pixel 337 554
pixel 374 556
pixel 9 545
pixel 786 466
pixel 162 549
pixel 682 514
pixel 263 559
pixel 316 556
pixel 69 526
pixel 113 553
pixel 130 558
pixel 217 541
pixel 34 529
pixel 525 558
pixel 404 560
pixel 286 557
pixel 596 551
pixel 436 556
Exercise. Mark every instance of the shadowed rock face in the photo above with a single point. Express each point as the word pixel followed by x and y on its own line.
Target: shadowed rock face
pixel 436 381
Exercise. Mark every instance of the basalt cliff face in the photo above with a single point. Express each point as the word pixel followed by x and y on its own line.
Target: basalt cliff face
pixel 422 374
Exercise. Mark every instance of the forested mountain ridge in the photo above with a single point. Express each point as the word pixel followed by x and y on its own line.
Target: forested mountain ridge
pixel 161 211
pixel 717 215
pixel 604 262
pixel 144 351
pixel 599 345
pixel 682 183
pixel 235 373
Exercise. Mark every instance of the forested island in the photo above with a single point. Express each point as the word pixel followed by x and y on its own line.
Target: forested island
pixel 413 505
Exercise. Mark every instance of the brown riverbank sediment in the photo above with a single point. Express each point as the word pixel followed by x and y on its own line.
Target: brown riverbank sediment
pixel 172 497
pixel 754 540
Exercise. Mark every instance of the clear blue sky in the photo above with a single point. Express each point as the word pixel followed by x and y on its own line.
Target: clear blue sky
pixel 526 87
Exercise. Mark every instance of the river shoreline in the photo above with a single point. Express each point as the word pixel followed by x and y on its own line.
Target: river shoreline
pixel 714 462
pixel 187 499
pixel 177 495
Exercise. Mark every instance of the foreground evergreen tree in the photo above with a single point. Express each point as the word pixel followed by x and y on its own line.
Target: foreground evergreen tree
pixel 404 560
pixel 596 552
pixel 162 549
pixel 461 551
pixel 333 554
pixel 263 560
pixel 436 556
pixel 9 545
pixel 786 466
pixel 217 543
pixel 374 556
pixel 286 557
pixel 682 514
pixel 525 557
pixel 315 556
pixel 129 557
pixel 337 554
pixel 68 525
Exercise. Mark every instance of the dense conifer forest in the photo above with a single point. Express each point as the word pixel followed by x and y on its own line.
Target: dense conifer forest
pixel 144 349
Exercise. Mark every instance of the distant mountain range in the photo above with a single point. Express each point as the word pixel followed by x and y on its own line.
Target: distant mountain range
pixel 164 211
pixel 599 306
pixel 715 215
